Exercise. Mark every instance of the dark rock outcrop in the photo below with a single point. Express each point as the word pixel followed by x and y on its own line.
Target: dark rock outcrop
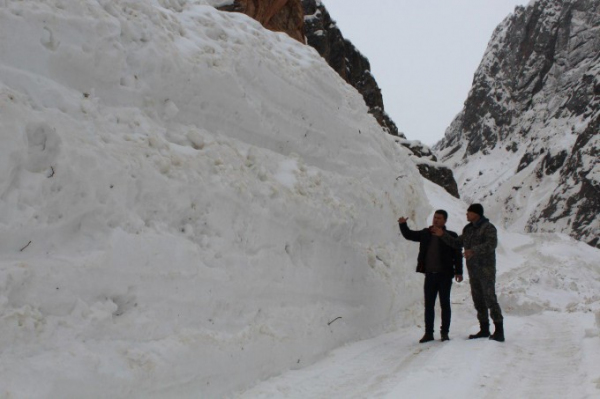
pixel 531 121
pixel 578 204
pixel 276 15
pixel 323 34
pixel 429 167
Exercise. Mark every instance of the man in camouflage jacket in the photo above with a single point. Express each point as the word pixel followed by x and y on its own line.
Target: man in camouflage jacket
pixel 479 239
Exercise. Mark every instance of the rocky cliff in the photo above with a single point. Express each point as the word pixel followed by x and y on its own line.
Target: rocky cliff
pixel 323 34
pixel 527 140
pixel 276 15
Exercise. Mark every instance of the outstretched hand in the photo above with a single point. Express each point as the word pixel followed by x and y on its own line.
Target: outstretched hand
pixel 436 231
pixel 402 220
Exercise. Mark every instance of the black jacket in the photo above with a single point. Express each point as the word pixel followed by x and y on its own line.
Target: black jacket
pixel 451 258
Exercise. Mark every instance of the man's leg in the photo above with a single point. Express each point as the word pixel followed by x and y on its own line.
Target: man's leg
pixel 488 284
pixel 445 284
pixel 482 311
pixel 431 291
pixel 477 293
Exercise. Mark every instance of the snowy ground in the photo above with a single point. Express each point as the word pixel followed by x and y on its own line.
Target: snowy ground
pixel 549 288
pixel 547 355
pixel 190 204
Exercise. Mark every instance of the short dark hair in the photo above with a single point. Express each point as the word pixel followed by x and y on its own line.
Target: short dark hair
pixel 443 213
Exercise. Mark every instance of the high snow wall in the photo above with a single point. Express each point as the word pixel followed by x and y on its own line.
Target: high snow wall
pixel 188 203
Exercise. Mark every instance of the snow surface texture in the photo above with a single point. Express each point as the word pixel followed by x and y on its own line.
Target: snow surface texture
pixel 548 286
pixel 518 145
pixel 188 203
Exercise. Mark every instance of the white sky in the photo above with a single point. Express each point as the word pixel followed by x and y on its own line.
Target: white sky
pixel 423 53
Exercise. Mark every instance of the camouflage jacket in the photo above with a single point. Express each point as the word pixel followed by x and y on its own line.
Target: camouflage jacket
pixel 482 238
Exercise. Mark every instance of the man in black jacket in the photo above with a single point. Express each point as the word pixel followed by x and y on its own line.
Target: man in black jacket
pixel 440 263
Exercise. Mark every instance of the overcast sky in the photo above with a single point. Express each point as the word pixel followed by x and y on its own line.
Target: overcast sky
pixel 423 53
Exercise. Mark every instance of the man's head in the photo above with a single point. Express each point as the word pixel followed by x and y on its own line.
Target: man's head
pixel 474 212
pixel 439 218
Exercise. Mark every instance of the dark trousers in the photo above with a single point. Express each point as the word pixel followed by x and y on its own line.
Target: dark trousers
pixel 437 283
pixel 483 291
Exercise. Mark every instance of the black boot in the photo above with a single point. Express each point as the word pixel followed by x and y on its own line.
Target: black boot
pixel 484 332
pixel 426 338
pixel 498 334
pixel 445 336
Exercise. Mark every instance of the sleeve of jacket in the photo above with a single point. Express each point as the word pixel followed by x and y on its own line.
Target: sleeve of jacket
pixel 457 260
pixel 410 234
pixel 454 242
pixel 490 241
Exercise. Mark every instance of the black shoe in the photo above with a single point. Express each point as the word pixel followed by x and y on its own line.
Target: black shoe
pixel 498 334
pixel 445 337
pixel 484 332
pixel 480 334
pixel 426 338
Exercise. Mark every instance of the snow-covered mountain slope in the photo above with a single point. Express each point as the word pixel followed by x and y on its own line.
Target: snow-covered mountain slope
pixel 548 287
pixel 188 203
pixel 527 141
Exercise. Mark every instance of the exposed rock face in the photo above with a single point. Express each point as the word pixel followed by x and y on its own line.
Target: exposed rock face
pixel 323 34
pixel 310 19
pixel 527 141
pixel 429 167
pixel 578 205
pixel 276 15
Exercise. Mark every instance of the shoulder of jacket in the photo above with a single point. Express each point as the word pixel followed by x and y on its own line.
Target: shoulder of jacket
pixel 489 225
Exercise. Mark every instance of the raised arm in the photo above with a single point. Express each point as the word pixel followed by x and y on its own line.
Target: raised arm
pixel 408 233
pixel 454 242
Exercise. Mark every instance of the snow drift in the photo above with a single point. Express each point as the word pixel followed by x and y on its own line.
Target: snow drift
pixel 188 203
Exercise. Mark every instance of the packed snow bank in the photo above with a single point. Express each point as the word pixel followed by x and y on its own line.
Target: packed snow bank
pixel 547 285
pixel 188 203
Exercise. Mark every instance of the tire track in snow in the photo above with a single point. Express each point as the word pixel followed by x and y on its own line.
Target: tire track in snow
pixel 543 358
pixel 364 369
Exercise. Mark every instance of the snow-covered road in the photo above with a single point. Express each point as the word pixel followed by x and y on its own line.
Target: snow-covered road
pixel 547 355
pixel 549 289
